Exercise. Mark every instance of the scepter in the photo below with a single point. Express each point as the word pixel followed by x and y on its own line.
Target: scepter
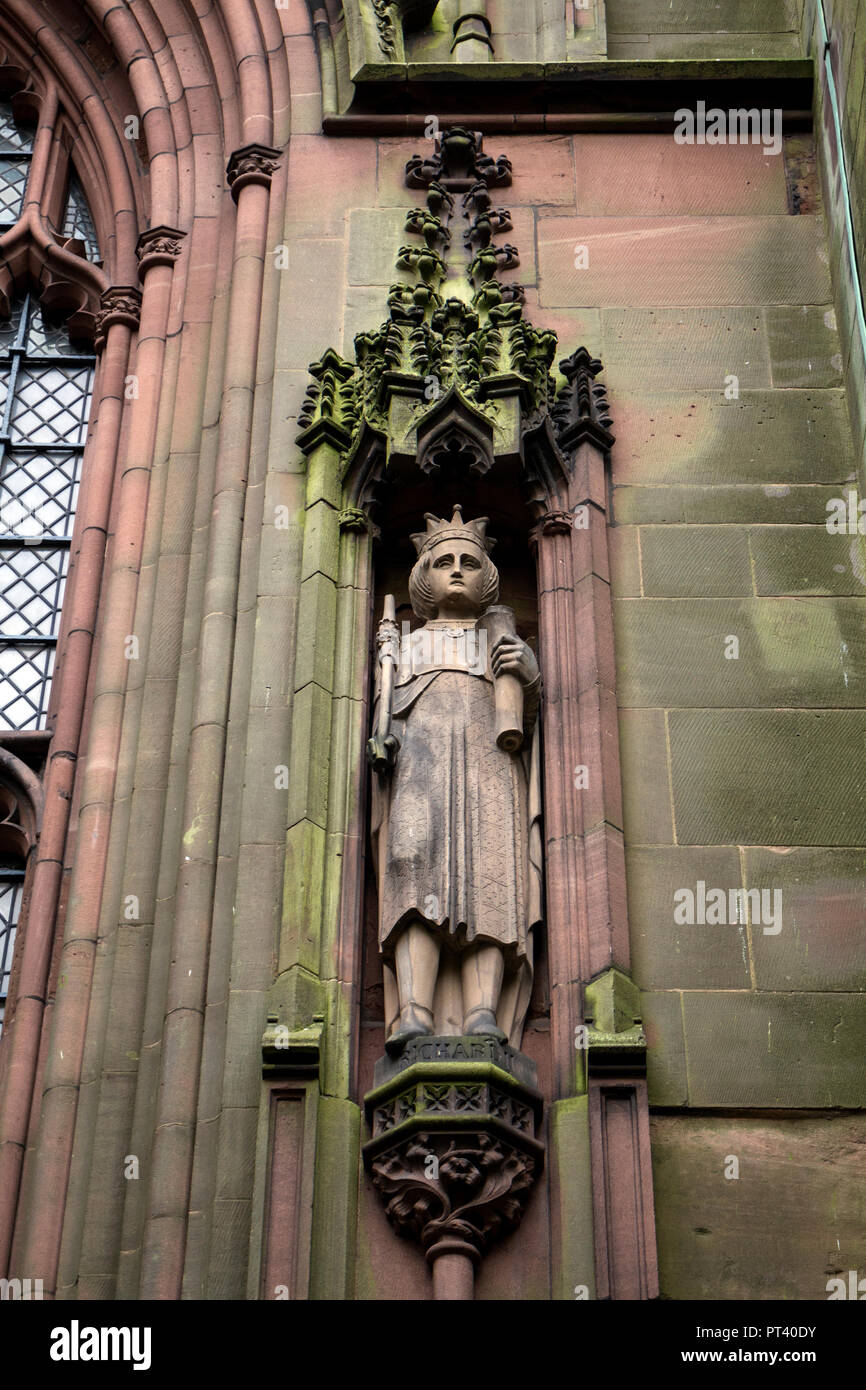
pixel 386 642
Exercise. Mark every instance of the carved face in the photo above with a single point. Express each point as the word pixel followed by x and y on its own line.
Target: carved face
pixel 455 578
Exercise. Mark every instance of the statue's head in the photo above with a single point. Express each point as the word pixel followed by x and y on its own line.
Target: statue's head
pixel 453 575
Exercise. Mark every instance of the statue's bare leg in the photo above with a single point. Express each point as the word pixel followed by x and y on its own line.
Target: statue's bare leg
pixel 482 970
pixel 416 960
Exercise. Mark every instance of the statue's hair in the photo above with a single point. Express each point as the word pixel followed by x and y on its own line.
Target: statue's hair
pixel 420 593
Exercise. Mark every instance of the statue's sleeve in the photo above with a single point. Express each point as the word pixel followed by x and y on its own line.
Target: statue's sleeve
pixel 531 702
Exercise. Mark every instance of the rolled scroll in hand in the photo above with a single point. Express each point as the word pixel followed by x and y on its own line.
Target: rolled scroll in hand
pixel 497 622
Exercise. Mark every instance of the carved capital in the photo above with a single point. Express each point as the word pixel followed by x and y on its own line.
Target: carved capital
pixel 251 164
pixel 158 246
pixel 550 524
pixel 556 523
pixel 119 304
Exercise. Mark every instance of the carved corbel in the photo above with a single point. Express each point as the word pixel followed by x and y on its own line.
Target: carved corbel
pixel 453 1153
pixel 292 1051
pixel 357 521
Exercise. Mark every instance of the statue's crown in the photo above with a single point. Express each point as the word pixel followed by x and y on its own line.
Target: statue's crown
pixel 455 529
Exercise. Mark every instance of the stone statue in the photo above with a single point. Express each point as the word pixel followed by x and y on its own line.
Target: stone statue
pixel 456 798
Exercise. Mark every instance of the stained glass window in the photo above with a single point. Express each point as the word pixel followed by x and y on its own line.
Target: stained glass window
pixel 45 388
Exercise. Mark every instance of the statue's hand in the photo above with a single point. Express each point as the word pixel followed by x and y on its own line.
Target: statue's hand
pixel 382 753
pixel 512 657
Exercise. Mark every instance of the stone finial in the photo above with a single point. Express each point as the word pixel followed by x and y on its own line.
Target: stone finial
pixel 581 410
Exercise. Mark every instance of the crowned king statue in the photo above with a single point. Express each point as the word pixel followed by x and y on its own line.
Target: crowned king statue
pixel 456 798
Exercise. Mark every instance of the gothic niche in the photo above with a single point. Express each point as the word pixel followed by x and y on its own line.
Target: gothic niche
pixel 448 426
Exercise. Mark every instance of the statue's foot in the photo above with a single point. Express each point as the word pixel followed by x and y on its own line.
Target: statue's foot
pixel 483 1021
pixel 411 1024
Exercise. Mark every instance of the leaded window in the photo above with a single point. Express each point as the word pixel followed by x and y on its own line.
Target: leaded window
pixel 16 149
pixel 45 389
pixel 11 884
pixel 79 222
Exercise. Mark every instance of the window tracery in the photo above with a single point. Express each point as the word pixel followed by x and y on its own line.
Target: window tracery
pixel 45 386
pixel 46 381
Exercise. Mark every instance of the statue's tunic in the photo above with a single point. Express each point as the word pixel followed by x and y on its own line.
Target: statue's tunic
pixel 454 824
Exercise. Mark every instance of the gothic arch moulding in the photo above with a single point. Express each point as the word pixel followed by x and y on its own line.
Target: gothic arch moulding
pixel 149 104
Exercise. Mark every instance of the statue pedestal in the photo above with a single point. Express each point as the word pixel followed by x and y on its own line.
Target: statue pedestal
pixel 453 1152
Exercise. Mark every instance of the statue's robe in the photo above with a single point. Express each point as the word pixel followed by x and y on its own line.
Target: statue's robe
pixel 456 824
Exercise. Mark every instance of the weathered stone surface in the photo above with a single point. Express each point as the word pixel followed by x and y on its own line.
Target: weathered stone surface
pixel 304 870
pixel 698 261
pixel 639 175
pixel 805 350
pixel 315 637
pixel 822 944
pixel 778 777
pixel 374 236
pixel 310 315
pixel 666 1052
pixel 671 652
pixel 763 437
pixel 317 206
pixel 775 1050
pixel 712 46
pixel 799 1178
pixel 625 577
pixel 682 561
pixel 321 542
pixel 807 560
pixel 335 1209
pixel 767 503
pixel 698 16
pixel 572 1234
pixel 310 758
pixel 684 349
pixel 667 955
pixel 646 798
